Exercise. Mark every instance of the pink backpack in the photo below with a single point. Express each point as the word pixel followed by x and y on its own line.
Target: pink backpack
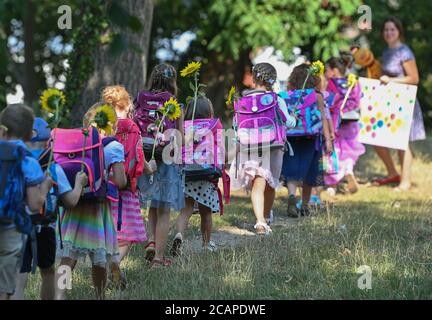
pixel 258 121
pixel 147 106
pixel 204 159
pixel 67 150
pixel 339 87
pixel 129 135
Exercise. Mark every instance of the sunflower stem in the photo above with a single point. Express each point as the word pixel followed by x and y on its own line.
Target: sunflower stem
pixel 157 132
pixel 346 97
pixel 56 122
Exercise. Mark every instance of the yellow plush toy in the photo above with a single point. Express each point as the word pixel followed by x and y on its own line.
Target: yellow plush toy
pixel 365 58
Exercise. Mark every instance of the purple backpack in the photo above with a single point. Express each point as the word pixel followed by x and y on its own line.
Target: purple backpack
pixel 351 110
pixel 304 104
pixel 258 120
pixel 146 114
pixel 68 153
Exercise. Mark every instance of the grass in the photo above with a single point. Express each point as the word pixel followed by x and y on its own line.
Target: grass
pixel 312 258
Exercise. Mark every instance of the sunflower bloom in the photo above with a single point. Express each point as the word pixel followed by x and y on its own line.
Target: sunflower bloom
pixel 52 99
pixel 317 68
pixel 104 119
pixel 231 94
pixel 171 109
pixel 190 69
pixel 352 80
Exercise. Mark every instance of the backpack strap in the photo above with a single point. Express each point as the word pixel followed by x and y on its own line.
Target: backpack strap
pixel 107 140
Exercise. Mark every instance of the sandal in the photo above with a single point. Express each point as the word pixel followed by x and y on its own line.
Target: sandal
pixel 156 263
pixel 150 251
pixel 262 229
pixel 384 181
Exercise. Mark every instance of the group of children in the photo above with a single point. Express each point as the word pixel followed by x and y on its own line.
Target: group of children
pixel 92 228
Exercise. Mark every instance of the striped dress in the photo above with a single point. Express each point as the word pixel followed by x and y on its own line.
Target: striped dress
pixel 132 226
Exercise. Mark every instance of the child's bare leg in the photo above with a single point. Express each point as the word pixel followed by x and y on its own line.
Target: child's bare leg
pixel 306 194
pixel 124 248
pixel 206 223
pixel 292 188
pixel 48 283
pixel 162 228
pixel 184 216
pixel 152 221
pixel 257 197
pixel 99 276
pixel 61 293
pixel 269 197
pixel 21 283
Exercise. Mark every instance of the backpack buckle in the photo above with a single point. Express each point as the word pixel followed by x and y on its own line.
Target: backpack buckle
pixel 71 155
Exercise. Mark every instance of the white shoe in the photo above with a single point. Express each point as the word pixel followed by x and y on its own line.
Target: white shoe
pixel 270 219
pixel 331 192
pixel 212 247
pixel 267 229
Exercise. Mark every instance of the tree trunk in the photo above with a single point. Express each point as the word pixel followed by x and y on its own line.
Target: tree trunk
pixel 129 68
pixel 30 79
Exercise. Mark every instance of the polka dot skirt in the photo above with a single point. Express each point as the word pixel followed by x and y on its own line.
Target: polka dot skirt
pixel 203 192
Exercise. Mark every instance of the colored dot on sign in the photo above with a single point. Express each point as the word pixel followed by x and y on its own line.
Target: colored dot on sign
pixel 372 120
pixel 373 88
pixel 388 103
pixel 374 127
pixel 388 124
pixel 392 116
pixel 370 97
pixel 368 128
pixel 411 101
pixel 370 108
pixel 386 119
pixel 398 122
pixel 380 123
pixel 366 119
pixel 363 132
pixel 393 129
pixel 366 87
pixel 379 115
pixel 397 95
pixel 376 104
pixel 400 109
pixel 373 134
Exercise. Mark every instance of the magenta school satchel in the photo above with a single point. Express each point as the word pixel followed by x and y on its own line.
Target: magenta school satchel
pixel 258 121
pixel 351 110
pixel 304 104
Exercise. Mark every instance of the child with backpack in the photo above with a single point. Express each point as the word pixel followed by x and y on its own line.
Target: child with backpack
pixel 89 228
pixel 260 176
pixel 22 184
pixel 164 189
pixel 304 165
pixel 45 220
pixel 201 185
pixel 131 222
pixel 346 144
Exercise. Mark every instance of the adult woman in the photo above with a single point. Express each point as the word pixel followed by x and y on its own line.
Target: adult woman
pixel 399 65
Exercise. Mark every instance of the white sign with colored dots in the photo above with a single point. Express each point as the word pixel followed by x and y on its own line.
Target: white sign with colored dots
pixel 386 113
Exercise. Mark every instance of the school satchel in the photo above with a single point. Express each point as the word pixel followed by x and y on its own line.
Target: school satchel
pixel 12 187
pixel 129 135
pixel 339 86
pixel 304 104
pixel 147 115
pixel 258 121
pixel 68 149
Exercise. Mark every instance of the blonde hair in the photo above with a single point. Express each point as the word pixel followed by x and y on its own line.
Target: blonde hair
pixel 118 97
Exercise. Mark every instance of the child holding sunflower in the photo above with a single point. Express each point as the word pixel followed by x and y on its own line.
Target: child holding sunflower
pixel 304 165
pixel 89 228
pixel 347 147
pixel 164 189
pixel 132 226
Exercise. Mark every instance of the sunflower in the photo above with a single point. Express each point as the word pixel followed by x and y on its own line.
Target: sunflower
pixel 317 68
pixel 51 99
pixel 104 119
pixel 231 94
pixel 171 109
pixel 352 80
pixel 190 69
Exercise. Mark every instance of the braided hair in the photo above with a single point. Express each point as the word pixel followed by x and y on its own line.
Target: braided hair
pixel 163 78
pixel 264 74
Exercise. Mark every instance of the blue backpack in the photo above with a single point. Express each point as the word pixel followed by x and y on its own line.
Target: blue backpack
pixel 12 187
